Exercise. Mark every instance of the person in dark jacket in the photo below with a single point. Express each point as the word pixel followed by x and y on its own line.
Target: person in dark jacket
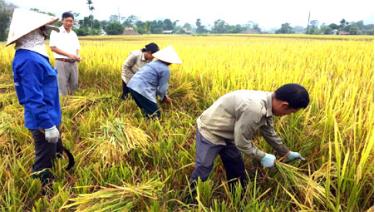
pixel 36 86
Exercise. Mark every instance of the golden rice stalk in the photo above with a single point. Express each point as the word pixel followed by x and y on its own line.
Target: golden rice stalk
pixel 78 104
pixel 7 98
pixel 117 198
pixel 10 117
pixel 306 188
pixel 183 92
pixel 118 138
pixel 6 86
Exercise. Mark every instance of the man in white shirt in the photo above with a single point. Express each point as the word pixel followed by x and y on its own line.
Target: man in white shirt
pixel 65 46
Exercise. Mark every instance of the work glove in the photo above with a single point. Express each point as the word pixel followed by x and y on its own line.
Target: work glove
pixel 293 156
pixel 52 134
pixel 268 160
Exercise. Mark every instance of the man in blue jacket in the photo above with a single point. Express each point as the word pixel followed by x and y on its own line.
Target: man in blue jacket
pixel 36 86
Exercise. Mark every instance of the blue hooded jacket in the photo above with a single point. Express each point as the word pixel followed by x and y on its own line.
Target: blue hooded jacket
pixel 36 86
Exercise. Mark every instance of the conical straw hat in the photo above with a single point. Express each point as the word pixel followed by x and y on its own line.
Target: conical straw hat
pixel 168 55
pixel 25 21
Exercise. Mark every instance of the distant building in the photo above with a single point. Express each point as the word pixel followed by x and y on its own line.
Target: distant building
pixel 129 31
pixel 102 32
pixel 334 32
pixel 251 31
pixel 344 33
pixel 186 31
pixel 167 31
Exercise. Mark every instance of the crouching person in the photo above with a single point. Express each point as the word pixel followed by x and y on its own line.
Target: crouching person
pixel 135 61
pixel 228 126
pixel 152 81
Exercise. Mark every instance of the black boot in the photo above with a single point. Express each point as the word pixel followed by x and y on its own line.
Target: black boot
pixel 46 178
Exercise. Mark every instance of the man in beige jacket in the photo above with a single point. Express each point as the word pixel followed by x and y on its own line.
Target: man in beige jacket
pixel 228 126
pixel 136 60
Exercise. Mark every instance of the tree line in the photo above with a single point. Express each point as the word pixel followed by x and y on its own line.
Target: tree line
pixel 117 25
pixel 342 28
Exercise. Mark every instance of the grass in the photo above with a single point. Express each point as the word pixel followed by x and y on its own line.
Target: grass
pixel 126 162
pixel 117 198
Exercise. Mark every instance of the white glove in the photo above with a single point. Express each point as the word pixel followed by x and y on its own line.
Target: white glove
pixel 268 160
pixel 294 156
pixel 52 134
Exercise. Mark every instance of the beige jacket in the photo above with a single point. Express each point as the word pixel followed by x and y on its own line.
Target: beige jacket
pixel 236 117
pixel 132 64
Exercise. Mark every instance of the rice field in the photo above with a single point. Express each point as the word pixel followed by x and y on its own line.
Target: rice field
pixel 125 162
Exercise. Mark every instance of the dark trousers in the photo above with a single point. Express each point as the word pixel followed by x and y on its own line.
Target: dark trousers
pixel 45 152
pixel 206 153
pixel 125 90
pixel 149 108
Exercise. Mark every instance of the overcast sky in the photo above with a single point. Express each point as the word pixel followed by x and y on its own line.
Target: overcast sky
pixel 267 13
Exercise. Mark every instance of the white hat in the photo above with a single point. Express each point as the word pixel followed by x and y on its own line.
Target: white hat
pixel 168 55
pixel 25 21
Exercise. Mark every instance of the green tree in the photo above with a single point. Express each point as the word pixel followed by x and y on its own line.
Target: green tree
pixel 168 24
pixel 89 26
pixel 354 29
pixel 6 11
pixel 114 28
pixel 334 26
pixel 141 27
pixel 313 27
pixel 91 9
pixel 325 29
pixel 90 4
pixel 251 26
pixel 187 27
pixel 130 21
pixel 200 27
pixel 219 26
pixel 234 28
pixel 285 29
pixel 156 27
pixel 257 28
pixel 368 29
pixel 343 25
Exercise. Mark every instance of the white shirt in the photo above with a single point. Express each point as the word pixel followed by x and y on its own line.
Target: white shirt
pixel 66 41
